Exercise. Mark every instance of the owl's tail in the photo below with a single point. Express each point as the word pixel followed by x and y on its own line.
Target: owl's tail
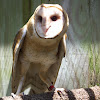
pixel 31 92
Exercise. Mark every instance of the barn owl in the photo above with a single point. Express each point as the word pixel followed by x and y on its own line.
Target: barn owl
pixel 38 49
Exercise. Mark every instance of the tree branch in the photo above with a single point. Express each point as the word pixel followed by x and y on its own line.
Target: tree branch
pixel 92 93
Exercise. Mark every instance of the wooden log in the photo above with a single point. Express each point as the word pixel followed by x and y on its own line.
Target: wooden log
pixel 92 93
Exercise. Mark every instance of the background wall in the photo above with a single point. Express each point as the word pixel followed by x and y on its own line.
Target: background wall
pixel 81 66
pixel 11 19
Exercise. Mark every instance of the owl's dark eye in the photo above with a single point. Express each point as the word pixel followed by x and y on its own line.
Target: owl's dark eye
pixel 40 18
pixel 54 18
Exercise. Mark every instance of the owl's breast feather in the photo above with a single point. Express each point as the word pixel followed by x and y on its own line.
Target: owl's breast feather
pixel 34 53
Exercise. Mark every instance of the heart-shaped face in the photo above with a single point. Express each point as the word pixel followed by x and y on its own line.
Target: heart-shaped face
pixel 49 20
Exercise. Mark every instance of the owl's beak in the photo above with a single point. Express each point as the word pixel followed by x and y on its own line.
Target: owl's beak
pixel 45 29
pixel 45 25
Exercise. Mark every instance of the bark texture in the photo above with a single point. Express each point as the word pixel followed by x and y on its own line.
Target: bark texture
pixel 92 93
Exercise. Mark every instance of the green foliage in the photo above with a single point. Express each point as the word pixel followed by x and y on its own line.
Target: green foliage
pixel 94 64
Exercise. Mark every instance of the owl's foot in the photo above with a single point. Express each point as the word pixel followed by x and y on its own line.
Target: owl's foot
pixel 61 91
pixel 15 95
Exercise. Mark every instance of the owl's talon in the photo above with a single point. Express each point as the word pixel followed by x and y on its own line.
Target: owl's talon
pixel 21 94
pixel 61 92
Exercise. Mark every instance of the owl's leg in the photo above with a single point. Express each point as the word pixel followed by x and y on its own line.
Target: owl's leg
pixel 44 77
pixel 52 73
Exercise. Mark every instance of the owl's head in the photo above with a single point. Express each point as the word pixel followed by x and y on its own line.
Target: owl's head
pixel 50 20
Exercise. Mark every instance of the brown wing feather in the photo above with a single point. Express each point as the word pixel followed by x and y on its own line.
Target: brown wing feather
pixel 53 70
pixel 18 41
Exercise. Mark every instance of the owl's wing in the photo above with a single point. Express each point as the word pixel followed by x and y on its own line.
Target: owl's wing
pixel 18 41
pixel 53 70
pixel 64 43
